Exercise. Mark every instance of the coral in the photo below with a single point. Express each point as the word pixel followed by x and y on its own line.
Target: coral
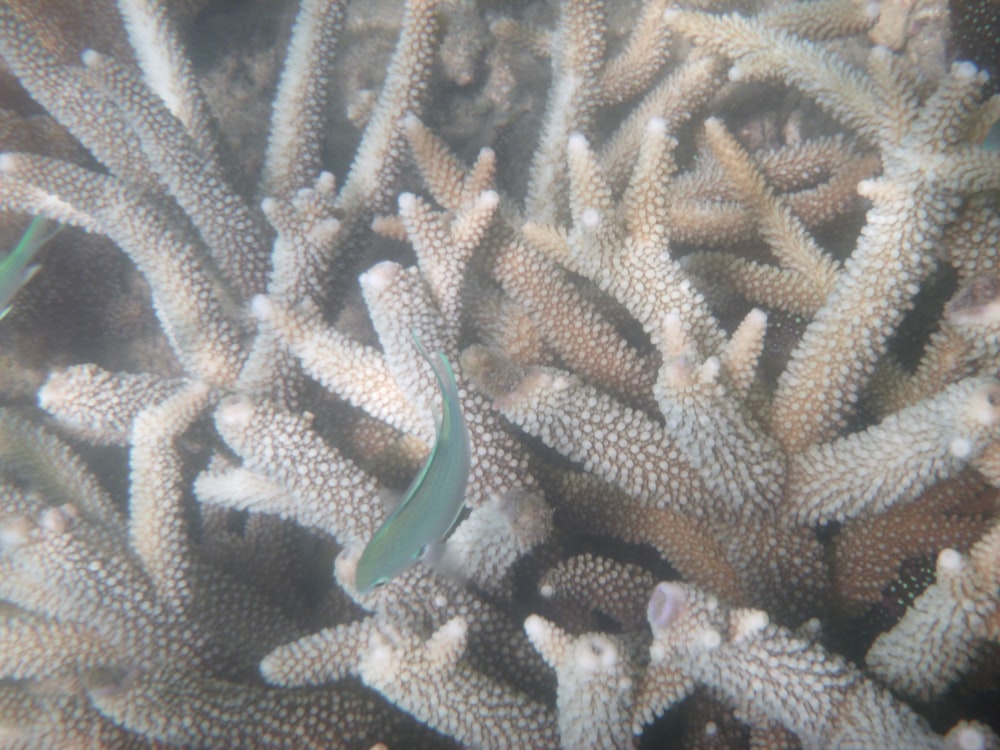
pixel 680 518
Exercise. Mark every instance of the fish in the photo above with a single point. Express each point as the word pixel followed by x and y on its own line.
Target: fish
pixel 992 140
pixel 15 271
pixel 434 500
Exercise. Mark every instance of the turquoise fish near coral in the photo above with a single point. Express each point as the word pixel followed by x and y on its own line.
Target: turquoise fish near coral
pixel 992 140
pixel 15 272
pixel 434 499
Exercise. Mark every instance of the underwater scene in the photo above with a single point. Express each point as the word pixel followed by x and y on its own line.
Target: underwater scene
pixel 582 374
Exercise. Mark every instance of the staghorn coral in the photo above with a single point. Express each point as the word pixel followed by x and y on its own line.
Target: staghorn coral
pixel 694 177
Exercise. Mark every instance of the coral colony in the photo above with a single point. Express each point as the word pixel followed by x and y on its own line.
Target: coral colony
pixel 720 291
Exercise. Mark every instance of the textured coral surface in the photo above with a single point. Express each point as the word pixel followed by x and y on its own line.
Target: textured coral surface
pixel 719 285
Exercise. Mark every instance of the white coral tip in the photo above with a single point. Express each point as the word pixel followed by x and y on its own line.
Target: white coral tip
pixel 54 521
pixel 672 325
pixel 378 277
pixel 949 560
pixel 964 70
pixel 967 738
pixel 55 391
pixel 749 623
pixel 487 199
pixel 709 370
pixel 380 655
pixel 455 629
pixel 656 126
pixel 867 187
pixel 756 317
pixel 262 308
pixel 561 382
pixel 326 183
pixel 235 412
pixel 324 231
pixel 535 627
pixel 960 448
pixel 8 162
pixel 710 639
pixel 15 533
pixel 410 121
pixel 407 201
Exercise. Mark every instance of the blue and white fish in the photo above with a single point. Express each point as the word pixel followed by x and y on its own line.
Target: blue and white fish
pixel 432 502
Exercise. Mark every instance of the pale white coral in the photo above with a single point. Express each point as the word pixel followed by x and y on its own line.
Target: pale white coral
pixel 598 374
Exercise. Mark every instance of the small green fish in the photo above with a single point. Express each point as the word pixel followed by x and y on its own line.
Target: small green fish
pixel 14 269
pixel 992 140
pixel 434 499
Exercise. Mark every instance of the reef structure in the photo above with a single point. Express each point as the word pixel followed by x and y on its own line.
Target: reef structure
pixel 702 463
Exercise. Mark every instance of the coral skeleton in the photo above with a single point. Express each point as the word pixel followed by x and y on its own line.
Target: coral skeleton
pixel 719 290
